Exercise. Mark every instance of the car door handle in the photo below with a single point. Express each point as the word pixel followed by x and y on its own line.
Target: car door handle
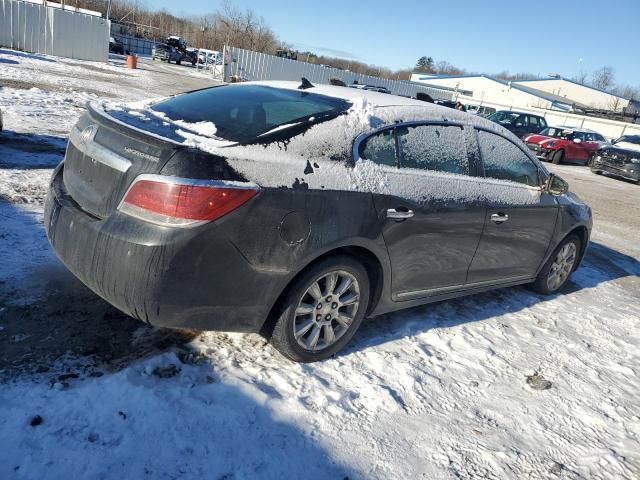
pixel 499 218
pixel 399 214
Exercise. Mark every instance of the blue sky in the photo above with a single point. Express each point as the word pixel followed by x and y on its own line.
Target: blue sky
pixel 536 36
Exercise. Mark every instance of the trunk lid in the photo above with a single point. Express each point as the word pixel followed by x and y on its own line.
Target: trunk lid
pixel 103 157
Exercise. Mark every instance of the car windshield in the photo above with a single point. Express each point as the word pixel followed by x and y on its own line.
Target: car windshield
pixel 505 118
pixel 630 139
pixel 556 132
pixel 241 113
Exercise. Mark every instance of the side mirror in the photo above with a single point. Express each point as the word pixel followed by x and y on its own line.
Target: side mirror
pixel 577 140
pixel 556 185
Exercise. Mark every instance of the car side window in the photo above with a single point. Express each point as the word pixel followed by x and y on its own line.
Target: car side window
pixel 520 121
pixel 380 148
pixel 503 160
pixel 542 122
pixel 439 148
pixel 598 138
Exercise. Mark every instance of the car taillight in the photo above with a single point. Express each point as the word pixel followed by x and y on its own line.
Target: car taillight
pixel 182 202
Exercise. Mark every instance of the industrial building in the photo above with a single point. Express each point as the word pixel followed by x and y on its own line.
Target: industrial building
pixel 555 93
pixel 579 93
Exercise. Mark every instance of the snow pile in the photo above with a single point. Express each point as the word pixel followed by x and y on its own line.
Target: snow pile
pixel 448 390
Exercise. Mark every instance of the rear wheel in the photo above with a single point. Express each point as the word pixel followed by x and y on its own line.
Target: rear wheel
pixel 558 269
pixel 322 310
pixel 558 157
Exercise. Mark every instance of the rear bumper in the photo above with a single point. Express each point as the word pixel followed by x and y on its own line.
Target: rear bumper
pixel 181 278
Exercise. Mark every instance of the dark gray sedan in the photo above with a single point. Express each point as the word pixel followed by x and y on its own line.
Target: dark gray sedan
pixel 298 210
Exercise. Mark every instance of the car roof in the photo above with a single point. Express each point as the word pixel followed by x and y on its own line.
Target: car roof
pixel 392 108
pixel 575 129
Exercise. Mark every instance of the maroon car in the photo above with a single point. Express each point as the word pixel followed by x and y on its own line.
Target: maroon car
pixel 555 144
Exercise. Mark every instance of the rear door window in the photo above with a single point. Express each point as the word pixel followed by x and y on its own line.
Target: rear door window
pixel 439 148
pixel 503 160
pixel 380 148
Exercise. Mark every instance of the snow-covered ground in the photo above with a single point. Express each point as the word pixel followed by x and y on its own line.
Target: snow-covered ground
pixel 444 391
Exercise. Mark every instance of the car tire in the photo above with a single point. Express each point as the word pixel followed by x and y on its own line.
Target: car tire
pixel 557 270
pixel 593 169
pixel 557 157
pixel 325 305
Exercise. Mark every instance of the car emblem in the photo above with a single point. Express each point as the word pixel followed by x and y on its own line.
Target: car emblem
pixel 87 134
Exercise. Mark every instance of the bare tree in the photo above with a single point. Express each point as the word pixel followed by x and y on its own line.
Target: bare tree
pixel 581 77
pixel 603 78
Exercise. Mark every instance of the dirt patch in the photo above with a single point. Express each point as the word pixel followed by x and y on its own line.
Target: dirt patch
pixel 94 68
pixel 75 333
pixel 28 84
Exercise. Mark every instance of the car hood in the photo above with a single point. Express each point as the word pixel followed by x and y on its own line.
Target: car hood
pixel 539 139
pixel 625 154
pixel 626 147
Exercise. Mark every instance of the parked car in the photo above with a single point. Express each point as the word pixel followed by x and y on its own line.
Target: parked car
pixel 168 53
pixel 621 158
pixel 480 110
pixel 182 48
pixel 115 46
pixel 372 88
pixel 165 53
pixel 446 103
pixel 556 144
pixel 211 57
pixel 307 211
pixel 519 123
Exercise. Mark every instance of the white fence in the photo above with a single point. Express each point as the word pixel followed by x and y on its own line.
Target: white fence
pixel 609 128
pixel 36 28
pixel 250 65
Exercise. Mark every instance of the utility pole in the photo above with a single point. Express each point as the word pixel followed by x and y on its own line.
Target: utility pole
pixel 204 28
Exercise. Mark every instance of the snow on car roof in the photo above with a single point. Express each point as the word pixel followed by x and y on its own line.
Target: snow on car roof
pixel 390 108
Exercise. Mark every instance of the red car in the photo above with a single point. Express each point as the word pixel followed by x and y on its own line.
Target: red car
pixel 555 144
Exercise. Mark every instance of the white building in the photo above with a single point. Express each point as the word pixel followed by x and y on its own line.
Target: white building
pixel 553 93
pixel 578 93
pixel 484 89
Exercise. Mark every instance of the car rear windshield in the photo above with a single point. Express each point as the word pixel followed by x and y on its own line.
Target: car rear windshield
pixel 241 113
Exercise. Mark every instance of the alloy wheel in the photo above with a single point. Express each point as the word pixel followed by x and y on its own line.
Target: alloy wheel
pixel 562 266
pixel 326 310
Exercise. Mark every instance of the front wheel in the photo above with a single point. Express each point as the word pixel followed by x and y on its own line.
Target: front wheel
pixel 322 310
pixel 558 269
pixel 557 157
